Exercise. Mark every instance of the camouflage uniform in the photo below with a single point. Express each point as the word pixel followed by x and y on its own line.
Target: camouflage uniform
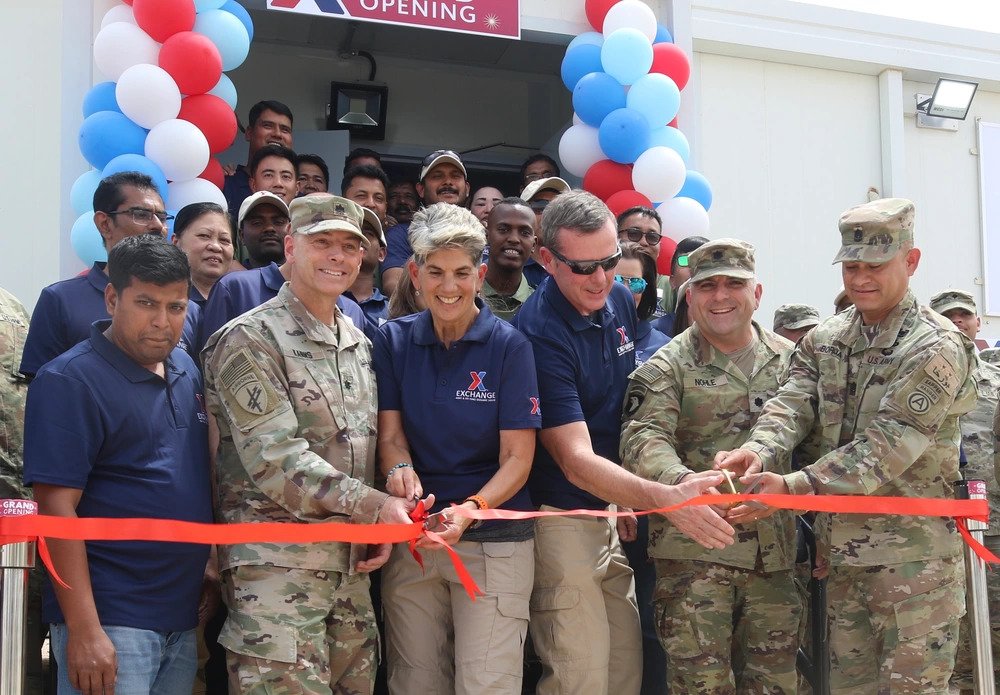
pixel 296 405
pixel 884 401
pixel 990 355
pixel 727 619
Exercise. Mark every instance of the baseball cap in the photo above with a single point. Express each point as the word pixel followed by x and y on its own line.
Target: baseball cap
pixel 731 257
pixel 551 183
pixel 876 231
pixel 323 212
pixel 372 219
pixel 953 299
pixel 440 157
pixel 795 316
pixel 260 198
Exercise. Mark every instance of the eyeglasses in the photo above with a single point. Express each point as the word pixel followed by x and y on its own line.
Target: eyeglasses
pixel 439 153
pixel 589 267
pixel 142 215
pixel 682 261
pixel 528 178
pixel 635 234
pixel 537 205
pixel 635 285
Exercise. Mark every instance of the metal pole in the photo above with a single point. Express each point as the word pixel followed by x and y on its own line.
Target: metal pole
pixel 976 598
pixel 16 562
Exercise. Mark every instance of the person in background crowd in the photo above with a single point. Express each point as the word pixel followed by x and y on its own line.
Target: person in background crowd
pixel 642 226
pixel 313 174
pixel 888 426
pixel 263 226
pixel 272 168
pixel 134 445
pixel 437 640
pixel 291 385
pixel 203 231
pixel 405 300
pixel 538 166
pixel 403 201
pixel 977 462
pixel 637 271
pixel 362 157
pixel 792 321
pixel 679 274
pixel 483 200
pixel 373 303
pixel 990 355
pixel 538 194
pixel 270 123
pixel 510 236
pixel 682 318
pixel 842 301
pixel 366 185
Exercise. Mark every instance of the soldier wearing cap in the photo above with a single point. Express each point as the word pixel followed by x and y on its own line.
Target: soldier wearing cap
pixel 700 393
pixel 292 387
pixel 538 194
pixel 882 386
pixel 792 321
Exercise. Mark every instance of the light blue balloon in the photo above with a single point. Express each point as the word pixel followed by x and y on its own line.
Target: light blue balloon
pixel 225 90
pixel 669 136
pixel 624 135
pixel 656 97
pixel 86 240
pixel 205 5
pixel 101 97
pixel 228 34
pixel 170 224
pixel 592 38
pixel 81 195
pixel 579 61
pixel 696 186
pixel 106 134
pixel 627 55
pixel 237 9
pixel 140 163
pixel 663 35
pixel 595 96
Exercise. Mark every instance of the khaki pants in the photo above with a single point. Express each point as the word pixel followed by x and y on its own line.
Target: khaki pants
pixel 584 618
pixel 438 640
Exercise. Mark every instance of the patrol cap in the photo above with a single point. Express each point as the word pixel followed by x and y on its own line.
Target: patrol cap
pixel 440 157
pixel 260 198
pixel 991 355
pixel 876 231
pixel 795 316
pixel 731 257
pixel 372 219
pixel 552 183
pixel 323 212
pixel 953 299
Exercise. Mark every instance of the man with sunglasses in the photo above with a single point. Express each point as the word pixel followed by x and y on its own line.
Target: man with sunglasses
pixel 538 194
pixel 581 323
pixel 125 204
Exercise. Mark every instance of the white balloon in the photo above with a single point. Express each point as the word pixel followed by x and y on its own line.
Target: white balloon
pixel 683 217
pixel 179 148
pixel 659 173
pixel 120 45
pixel 631 14
pixel 118 13
pixel 576 119
pixel 148 95
pixel 181 193
pixel 580 149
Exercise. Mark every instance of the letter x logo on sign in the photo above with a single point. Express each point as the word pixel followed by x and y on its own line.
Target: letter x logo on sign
pixel 328 6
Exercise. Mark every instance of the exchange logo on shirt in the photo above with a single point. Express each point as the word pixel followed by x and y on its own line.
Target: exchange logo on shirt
pixel 626 345
pixel 476 390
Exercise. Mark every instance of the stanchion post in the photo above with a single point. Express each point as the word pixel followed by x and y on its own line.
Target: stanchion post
pixel 977 602
pixel 16 562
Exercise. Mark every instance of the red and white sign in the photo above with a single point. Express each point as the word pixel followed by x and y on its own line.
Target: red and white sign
pixel 485 17
pixel 18 507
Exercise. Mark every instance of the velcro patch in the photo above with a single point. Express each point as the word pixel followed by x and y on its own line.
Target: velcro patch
pixel 943 373
pixel 248 393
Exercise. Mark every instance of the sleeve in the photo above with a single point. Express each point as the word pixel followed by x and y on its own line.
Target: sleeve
pixel 398 249
pixel 520 407
pixel 556 370
pixel 996 444
pixel 215 315
pixel 192 331
pixel 46 333
pixel 248 391
pixel 389 397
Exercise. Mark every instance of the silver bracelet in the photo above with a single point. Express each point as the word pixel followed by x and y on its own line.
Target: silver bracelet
pixel 396 468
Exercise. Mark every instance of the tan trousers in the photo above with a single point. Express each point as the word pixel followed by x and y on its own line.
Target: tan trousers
pixel 439 641
pixel 584 618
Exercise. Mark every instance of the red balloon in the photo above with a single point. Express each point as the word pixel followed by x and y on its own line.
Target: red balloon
pixel 623 200
pixel 673 123
pixel 605 178
pixel 213 117
pixel 667 248
pixel 671 61
pixel 127 2
pixel 192 60
pixel 597 10
pixel 161 19
pixel 214 173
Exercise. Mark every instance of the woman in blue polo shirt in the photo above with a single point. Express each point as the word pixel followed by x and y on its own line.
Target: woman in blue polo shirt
pixel 458 411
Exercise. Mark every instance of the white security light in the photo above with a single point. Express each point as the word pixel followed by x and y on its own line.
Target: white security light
pixel 951 99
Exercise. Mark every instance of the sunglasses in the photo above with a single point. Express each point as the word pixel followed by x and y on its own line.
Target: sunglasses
pixel 439 153
pixel 635 285
pixel 682 261
pixel 589 267
pixel 635 234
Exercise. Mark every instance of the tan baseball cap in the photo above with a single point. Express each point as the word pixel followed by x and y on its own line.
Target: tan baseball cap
pixel 323 212
pixel 731 257
pixel 440 157
pixel 260 198
pixel 552 183
pixel 372 219
pixel 876 231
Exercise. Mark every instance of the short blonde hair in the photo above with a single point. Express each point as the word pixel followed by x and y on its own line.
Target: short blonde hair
pixel 446 226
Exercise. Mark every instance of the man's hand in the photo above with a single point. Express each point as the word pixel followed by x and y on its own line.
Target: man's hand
pixel 766 484
pixel 404 482
pixel 396 510
pixel 229 169
pixel 701 524
pixel 739 461
pixel 92 663
pixel 211 596
pixel 448 526
pixel 628 526
pixel 378 555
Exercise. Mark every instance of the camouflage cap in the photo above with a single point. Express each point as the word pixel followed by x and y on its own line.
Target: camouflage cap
pixel 953 299
pixel 795 316
pixel 875 232
pixel 323 212
pixel 991 355
pixel 730 257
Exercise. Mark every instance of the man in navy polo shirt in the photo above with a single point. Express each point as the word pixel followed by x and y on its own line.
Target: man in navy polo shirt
pixel 116 427
pixel 125 204
pixel 584 619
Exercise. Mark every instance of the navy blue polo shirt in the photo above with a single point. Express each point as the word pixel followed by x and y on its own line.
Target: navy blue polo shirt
pixel 375 308
pixel 455 401
pixel 195 297
pixel 397 246
pixel 236 188
pixel 137 446
pixel 65 312
pixel 583 365
pixel 534 272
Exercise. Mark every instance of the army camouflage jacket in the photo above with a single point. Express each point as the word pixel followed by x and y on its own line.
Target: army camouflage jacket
pixel 681 407
pixel 13 388
pixel 296 406
pixel 887 416
pixel 977 438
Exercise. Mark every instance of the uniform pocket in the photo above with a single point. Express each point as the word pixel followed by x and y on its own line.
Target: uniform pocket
pixel 258 637
pixel 506 650
pixel 916 616
pixel 558 628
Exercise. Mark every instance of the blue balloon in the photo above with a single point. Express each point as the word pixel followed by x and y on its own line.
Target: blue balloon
pixel 663 35
pixel 237 9
pixel 205 5
pixel 595 96
pixel 225 90
pixel 81 195
pixel 170 224
pixel 669 136
pixel 656 97
pixel 627 55
pixel 579 61
pixel 228 34
pixel 107 134
pixel 624 135
pixel 697 187
pixel 101 97
pixel 140 163
pixel 593 38
pixel 86 240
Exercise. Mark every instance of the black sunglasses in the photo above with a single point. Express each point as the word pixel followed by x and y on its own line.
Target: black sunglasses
pixel 635 234
pixel 439 153
pixel 589 267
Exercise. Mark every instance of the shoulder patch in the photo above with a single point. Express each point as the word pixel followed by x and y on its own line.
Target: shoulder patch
pixel 649 373
pixel 248 393
pixel 942 373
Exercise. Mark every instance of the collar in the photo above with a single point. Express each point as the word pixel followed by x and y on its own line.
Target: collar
pixel 271 274
pixel 889 327
pixel 706 353
pixel 479 332
pixel 377 296
pixel 642 329
pixel 124 364
pixel 521 294
pixel 97 277
pixel 314 329
pixel 577 321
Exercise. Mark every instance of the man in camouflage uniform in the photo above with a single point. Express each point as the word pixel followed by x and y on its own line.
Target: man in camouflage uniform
pixel 882 385
pixel 959 307
pixel 292 387
pixel 792 321
pixel 990 355
pixel 727 619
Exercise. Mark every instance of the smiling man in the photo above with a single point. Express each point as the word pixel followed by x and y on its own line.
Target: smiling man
pixel 269 123
pixel 510 235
